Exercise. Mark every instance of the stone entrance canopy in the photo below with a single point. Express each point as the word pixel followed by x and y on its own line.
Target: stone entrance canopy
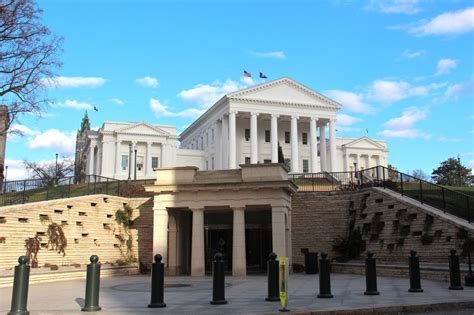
pixel 252 187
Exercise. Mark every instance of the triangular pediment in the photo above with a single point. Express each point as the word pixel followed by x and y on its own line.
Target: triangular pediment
pixel 284 90
pixel 364 143
pixel 142 128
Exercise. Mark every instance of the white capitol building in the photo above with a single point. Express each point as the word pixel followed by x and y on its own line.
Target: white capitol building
pixel 245 126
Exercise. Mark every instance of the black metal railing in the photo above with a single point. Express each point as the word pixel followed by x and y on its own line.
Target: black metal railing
pixel 34 190
pixel 446 199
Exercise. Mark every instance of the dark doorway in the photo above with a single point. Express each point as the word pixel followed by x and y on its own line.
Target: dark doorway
pixel 258 240
pixel 218 238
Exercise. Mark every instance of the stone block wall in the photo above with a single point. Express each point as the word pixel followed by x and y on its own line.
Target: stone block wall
pixel 390 226
pixel 88 224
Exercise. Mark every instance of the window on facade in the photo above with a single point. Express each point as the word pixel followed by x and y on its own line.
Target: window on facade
pixel 154 162
pixel 267 161
pixel 207 139
pixel 288 163
pixel 124 162
pixel 202 143
pixel 139 163
pixel 247 160
pixel 207 165
pixel 287 137
pixel 212 163
pixel 305 138
pixel 305 166
pixel 247 134
pixel 267 135
pixel 212 135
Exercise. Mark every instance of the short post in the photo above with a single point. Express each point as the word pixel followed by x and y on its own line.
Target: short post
pixel 324 277
pixel 92 286
pixel 218 281
pixel 454 272
pixel 157 283
pixel 469 278
pixel 370 275
pixel 414 271
pixel 20 287
pixel 272 270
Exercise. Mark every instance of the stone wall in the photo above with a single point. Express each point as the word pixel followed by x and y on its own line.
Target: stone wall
pixel 89 227
pixel 390 225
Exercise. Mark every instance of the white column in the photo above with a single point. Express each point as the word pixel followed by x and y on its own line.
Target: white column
pixel 314 145
pixel 239 264
pixel 253 138
pixel 274 137
pixel 218 144
pixel 117 158
pixel 346 161
pixel 279 231
pixel 357 162
pixel 148 169
pixel 332 144
pixel 160 233
pixel 322 146
pixel 225 142
pixel 294 144
pixel 197 244
pixel 232 140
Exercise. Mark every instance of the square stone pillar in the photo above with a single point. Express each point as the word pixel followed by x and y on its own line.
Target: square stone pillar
pixel 160 233
pixel 322 146
pixel 239 263
pixel 197 244
pixel 279 233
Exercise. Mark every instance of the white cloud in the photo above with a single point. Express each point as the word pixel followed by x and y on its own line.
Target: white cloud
pixel 16 169
pixel 23 130
pixel 205 95
pixel 385 91
pixel 448 139
pixel 161 110
pixel 394 6
pixel 148 82
pixel 269 54
pixel 409 54
pixel 63 142
pixel 407 133
pixel 453 91
pixel 117 101
pixel 449 23
pixel 351 101
pixel 346 120
pixel 444 66
pixel 73 82
pixel 409 117
pixel 73 104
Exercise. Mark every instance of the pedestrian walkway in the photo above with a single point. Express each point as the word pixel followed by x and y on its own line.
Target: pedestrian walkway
pixel 245 295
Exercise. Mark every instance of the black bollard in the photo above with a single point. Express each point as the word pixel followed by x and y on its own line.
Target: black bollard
pixel 324 277
pixel 218 281
pixel 454 272
pixel 20 287
pixel 273 278
pixel 92 286
pixel 157 283
pixel 414 270
pixel 371 275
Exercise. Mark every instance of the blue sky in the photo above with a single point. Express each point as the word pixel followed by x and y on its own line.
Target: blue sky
pixel 403 69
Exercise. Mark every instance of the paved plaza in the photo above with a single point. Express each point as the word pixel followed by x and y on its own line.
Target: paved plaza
pixel 246 295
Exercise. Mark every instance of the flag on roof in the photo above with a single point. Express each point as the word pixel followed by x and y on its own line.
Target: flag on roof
pixel 247 74
pixel 262 76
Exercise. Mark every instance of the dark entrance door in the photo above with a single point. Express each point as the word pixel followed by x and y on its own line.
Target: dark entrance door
pixel 258 240
pixel 218 238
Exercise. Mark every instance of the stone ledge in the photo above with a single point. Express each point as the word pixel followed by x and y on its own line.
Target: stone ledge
pixel 80 273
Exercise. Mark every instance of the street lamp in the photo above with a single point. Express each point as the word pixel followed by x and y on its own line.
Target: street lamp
pixel 129 161
pixel 135 168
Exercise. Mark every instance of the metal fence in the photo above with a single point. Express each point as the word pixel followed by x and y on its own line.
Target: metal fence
pixel 448 200
pixel 34 190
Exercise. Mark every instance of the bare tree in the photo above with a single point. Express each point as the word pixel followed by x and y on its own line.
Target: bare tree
pixel 28 55
pixel 50 173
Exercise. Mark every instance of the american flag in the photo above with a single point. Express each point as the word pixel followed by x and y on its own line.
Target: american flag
pixel 262 76
pixel 247 74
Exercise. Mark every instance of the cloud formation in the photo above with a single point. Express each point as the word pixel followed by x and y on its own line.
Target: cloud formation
pixel 73 104
pixel 161 110
pixel 445 66
pixel 402 127
pixel 409 54
pixel 147 81
pixel 449 23
pixel 352 102
pixel 73 82
pixel 395 6
pixel 346 120
pixel 269 54
pixel 117 101
pixel 63 142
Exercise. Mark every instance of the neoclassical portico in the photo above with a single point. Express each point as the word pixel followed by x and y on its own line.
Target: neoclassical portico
pixel 235 193
pixel 250 124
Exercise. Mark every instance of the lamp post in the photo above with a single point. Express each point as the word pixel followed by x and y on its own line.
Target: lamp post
pixel 129 161
pixel 459 171
pixel 135 168
pixel 5 179
pixel 56 173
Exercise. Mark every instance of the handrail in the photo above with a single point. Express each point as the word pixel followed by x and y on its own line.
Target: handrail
pixel 446 199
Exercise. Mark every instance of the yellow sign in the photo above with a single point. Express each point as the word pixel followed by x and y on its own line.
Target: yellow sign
pixel 283 281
